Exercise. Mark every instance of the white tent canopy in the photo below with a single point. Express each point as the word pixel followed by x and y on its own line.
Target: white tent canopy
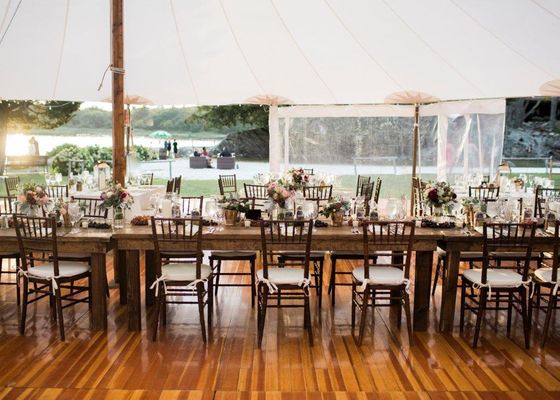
pixel 310 52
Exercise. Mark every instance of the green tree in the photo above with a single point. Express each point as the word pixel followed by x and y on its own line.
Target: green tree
pixel 252 115
pixel 31 114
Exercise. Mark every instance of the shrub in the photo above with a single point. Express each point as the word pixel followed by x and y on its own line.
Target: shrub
pixel 62 154
pixel 145 153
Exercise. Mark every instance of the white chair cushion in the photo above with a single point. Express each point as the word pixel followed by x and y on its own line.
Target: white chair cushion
pixel 66 269
pixel 543 275
pixel 495 277
pixel 283 276
pixel 184 272
pixel 381 275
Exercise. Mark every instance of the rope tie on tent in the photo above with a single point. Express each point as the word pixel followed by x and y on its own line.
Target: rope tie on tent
pixel 114 70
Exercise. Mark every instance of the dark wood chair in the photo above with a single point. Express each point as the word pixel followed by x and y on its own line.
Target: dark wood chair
pixel 368 189
pixel 419 206
pixel 177 184
pixel 545 288
pixel 190 203
pixel 319 194
pixel 284 283
pixel 227 184
pixel 258 193
pixel 7 209
pixel 11 183
pixel 496 282
pixel 485 193
pixel 169 186
pixel 541 196
pixel 379 285
pixel 37 240
pixel 308 171
pixel 183 277
pixel 359 183
pixel 57 191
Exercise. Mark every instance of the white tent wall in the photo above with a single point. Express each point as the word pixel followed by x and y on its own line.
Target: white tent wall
pixel 456 138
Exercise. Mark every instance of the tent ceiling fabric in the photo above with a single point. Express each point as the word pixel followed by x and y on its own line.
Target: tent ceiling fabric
pixel 311 52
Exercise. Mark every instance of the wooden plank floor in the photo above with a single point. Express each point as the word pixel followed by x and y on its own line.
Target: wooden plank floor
pixel 123 365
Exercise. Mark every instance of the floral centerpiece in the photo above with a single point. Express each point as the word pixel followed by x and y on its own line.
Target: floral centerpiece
pixel 232 208
pixel 278 193
pixel 438 195
pixel 296 178
pixel 119 199
pixel 31 198
pixel 336 209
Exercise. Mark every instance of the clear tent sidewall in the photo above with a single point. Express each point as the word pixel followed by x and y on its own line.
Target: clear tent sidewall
pixel 455 137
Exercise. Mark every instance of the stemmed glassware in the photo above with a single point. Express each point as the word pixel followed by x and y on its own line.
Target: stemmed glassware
pixel 75 213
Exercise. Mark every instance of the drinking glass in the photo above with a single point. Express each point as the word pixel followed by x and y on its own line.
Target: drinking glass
pixel 75 213
pixel 492 208
pixel 392 208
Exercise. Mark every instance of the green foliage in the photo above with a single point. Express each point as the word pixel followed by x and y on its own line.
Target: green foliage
pixel 246 115
pixel 91 155
pixel 145 153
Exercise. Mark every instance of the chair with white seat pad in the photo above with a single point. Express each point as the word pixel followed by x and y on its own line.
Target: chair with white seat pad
pixel 496 282
pixel 37 240
pixel 378 285
pixel 284 282
pixel 183 275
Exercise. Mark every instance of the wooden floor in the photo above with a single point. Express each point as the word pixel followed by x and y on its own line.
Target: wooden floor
pixel 123 365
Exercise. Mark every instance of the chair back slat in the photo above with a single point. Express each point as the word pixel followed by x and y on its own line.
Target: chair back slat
pixel 189 203
pixel 377 192
pixel 308 171
pixel 541 196
pixel 361 180
pixel 418 197
pixel 484 193
pixel 319 194
pixel 258 194
pixel 507 237
pixel 280 236
pixel 389 238
pixel 180 237
pixel 177 184
pixel 91 207
pixel 57 191
pixel 7 206
pixel 37 240
pixel 146 179
pixel 227 184
pixel 12 183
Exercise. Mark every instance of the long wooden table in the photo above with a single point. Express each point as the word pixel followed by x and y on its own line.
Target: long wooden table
pixel 131 240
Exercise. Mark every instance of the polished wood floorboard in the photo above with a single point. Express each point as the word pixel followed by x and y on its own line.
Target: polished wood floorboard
pixel 123 365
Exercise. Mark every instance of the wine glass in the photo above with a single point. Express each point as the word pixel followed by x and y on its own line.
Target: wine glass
pixel 392 208
pixel 220 218
pixel 75 213
pixel 492 208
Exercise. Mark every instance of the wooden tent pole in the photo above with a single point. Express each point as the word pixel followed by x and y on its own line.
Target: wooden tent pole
pixel 117 62
pixel 415 134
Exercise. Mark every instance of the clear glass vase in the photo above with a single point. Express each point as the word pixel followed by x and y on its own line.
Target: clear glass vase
pixel 118 217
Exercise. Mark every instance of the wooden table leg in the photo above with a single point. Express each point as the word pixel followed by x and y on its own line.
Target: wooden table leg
pixel 99 290
pixel 422 284
pixel 449 294
pixel 120 262
pixel 133 290
pixel 150 273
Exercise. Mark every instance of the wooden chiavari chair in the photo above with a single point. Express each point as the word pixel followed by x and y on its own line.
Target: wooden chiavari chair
pixel 545 287
pixel 308 171
pixel 319 194
pixel 377 285
pixel 190 203
pixel 227 184
pixel 418 187
pixel 37 240
pixel 177 184
pixel 485 193
pixel 281 280
pixel 497 283
pixel 57 191
pixel 7 208
pixel 175 237
pixel 169 186
pixel 359 183
pixel 541 196
pixel 12 183
pixel 146 179
pixel 259 194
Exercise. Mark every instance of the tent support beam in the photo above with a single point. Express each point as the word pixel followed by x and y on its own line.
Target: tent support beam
pixel 415 134
pixel 117 63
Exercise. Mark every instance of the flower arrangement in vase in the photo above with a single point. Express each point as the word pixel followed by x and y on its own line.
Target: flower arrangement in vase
pixel 232 208
pixel 336 209
pixel 32 198
pixel 438 195
pixel 119 199
pixel 295 179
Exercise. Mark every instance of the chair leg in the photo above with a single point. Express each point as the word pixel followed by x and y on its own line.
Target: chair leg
pixel 463 300
pixel 480 314
pixel 408 317
pixel 200 295
pixel 218 273
pixel 436 276
pixel 363 316
pixel 307 319
pixel 332 283
pixel 523 294
pixel 509 313
pixel 159 300
pixel 59 312
pixel 253 286
pixel 18 295
pixel 353 306
pixel 320 289
pixel 262 303
pixel 24 306
pixel 210 311
pixel 549 310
